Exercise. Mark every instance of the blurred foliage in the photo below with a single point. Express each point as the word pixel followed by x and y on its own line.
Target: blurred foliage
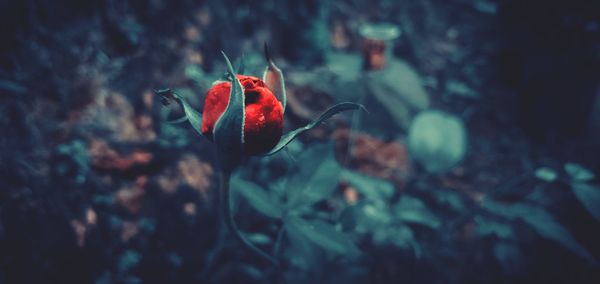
pixel 437 140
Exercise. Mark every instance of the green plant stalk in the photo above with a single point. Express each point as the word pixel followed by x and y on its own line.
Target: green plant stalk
pixel 227 218
pixel 278 241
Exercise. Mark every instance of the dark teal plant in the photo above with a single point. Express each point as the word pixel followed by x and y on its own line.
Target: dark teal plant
pixel 228 135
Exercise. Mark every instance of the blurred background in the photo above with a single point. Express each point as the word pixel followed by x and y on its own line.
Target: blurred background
pixel 478 161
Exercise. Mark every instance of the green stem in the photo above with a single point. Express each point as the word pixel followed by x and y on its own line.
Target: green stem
pixel 227 214
pixel 278 241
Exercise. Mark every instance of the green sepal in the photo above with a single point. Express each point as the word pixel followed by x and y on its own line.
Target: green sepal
pixel 191 115
pixel 240 68
pixel 229 129
pixel 290 136
pixel 273 78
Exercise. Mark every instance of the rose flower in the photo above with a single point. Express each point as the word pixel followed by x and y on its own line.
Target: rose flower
pixel 263 123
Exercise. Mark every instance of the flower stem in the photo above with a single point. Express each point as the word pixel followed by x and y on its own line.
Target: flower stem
pixel 278 241
pixel 227 217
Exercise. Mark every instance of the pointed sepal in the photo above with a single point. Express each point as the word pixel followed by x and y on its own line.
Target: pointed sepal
pixel 290 136
pixel 229 129
pixel 191 115
pixel 273 78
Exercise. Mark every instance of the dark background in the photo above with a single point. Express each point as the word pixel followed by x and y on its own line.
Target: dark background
pixel 96 188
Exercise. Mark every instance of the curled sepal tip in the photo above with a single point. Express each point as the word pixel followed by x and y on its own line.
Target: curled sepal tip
pixel 228 132
pixel 273 78
pixel 191 115
pixel 290 136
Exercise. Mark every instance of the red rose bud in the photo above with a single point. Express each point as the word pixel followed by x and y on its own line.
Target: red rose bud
pixel 263 123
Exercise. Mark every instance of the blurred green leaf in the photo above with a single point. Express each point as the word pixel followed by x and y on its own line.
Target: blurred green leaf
pixel 375 214
pixel 301 253
pixel 437 140
pixel 460 89
pixel 77 151
pixel 324 235
pixel 486 7
pixel 380 31
pixel 147 225
pixel 589 196
pixel 398 90
pixel 370 187
pixel 510 257
pixel 542 222
pixel 578 172
pixel 365 216
pixel 349 216
pixel 315 177
pixel 346 66
pixel 413 210
pixel 450 199
pixel 486 227
pixel 258 238
pixel 257 197
pixel 103 199
pixel 128 260
pixel 400 236
pixel 546 174
pixel 194 73
pixel 132 29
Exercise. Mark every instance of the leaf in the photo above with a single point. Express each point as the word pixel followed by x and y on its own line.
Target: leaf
pixel 288 137
pixel 510 258
pixel 363 217
pixel 398 90
pixel 373 215
pixel 460 88
pixel 301 252
pixel 449 199
pixel 229 128
pixel 273 78
pixel 323 235
pixel 194 73
pixel 370 187
pixel 542 222
pixel 346 66
pixel 589 196
pixel 546 174
pixel 578 172
pixel 488 7
pixel 315 177
pixel 380 31
pixel 437 140
pixel 413 210
pixel 486 227
pixel 400 236
pixel 257 197
pixel 259 239
pixel 128 260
